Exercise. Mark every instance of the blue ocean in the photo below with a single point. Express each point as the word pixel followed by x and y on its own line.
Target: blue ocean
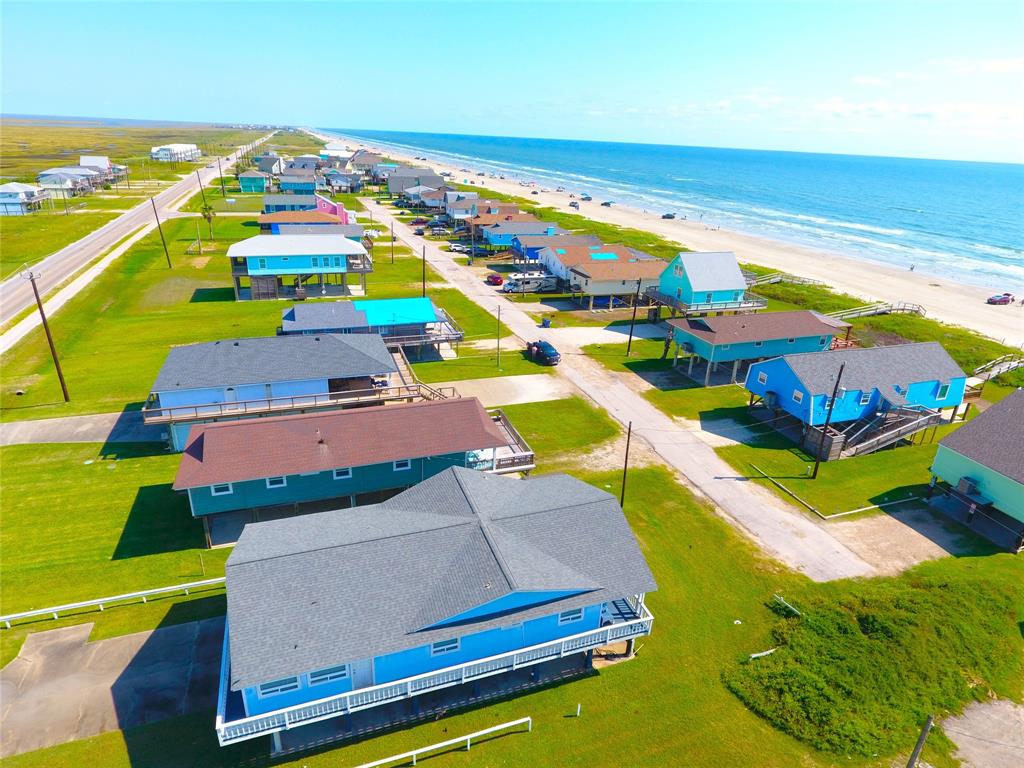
pixel 962 220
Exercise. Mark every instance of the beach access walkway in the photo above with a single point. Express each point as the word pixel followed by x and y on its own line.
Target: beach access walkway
pixel 781 531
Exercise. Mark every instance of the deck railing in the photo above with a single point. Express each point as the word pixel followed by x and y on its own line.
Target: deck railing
pixel 405 757
pixel 364 698
pixel 880 308
pixel 750 302
pixel 155 414
pixel 522 456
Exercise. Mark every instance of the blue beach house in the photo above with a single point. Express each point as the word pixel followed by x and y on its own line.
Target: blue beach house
pixel 244 378
pixel 886 394
pixel 297 184
pixel 254 181
pixel 409 322
pixel 530 246
pixel 276 203
pixel 501 234
pixel 335 459
pixel 466 587
pixel 297 266
pixel 704 282
pixel 981 465
pixel 734 341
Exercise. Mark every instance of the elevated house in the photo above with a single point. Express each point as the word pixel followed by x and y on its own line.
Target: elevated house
pixel 175 153
pixel 254 181
pixel 412 195
pixel 354 232
pixel 271 223
pixel 364 162
pixel 739 340
pixel 113 173
pixel 336 459
pixel 529 247
pixel 885 396
pixel 276 203
pixel 17 199
pixel 275 375
pixel 499 585
pixel 412 322
pixel 326 205
pixel 400 179
pixel 979 469
pixel 343 181
pixel 432 199
pixel 499 235
pixel 271 164
pixel 297 266
pixel 696 283
pixel 69 181
pixel 478 222
pixel 297 184
pixel 614 281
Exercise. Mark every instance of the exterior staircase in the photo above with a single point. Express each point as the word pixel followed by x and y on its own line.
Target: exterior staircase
pixel 1000 365
pixel 879 308
pixel 885 429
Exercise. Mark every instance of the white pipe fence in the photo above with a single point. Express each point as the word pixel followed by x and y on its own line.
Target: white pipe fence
pixel 56 610
pixel 467 740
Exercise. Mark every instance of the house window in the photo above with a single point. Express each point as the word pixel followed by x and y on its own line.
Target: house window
pixel 708 297
pixel 329 674
pixel 865 398
pixel 798 396
pixel 791 341
pixel 762 378
pixel 758 343
pixel 343 474
pixel 276 482
pixel 275 687
pixel 316 261
pixel 221 489
pixel 822 340
pixel 568 617
pixel 725 346
pixel 337 261
pixel 943 391
pixel 263 263
pixel 444 646
pixel 402 465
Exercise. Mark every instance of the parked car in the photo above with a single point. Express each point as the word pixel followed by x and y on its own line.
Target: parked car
pixel 419 220
pixel 494 279
pixel 586 198
pixel 668 215
pixel 439 231
pixel 535 192
pixel 560 189
pixel 480 173
pixel 418 231
pixel 1003 298
pixel 543 352
pixel 607 203
pixel 458 248
pixel 575 205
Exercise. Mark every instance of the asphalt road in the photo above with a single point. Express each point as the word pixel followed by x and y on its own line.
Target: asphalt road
pixel 16 293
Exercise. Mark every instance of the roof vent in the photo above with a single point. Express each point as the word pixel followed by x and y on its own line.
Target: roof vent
pixel 319 436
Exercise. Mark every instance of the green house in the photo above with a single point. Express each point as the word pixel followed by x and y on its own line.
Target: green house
pixel 981 466
pixel 254 181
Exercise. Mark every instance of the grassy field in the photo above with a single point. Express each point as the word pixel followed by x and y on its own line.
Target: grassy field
pixel 558 430
pixel 29 239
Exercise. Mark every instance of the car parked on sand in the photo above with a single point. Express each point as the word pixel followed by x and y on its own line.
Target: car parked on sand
pixel 543 352
pixel 535 192
pixel 575 205
pixel 608 203
pixel 494 279
pixel 668 215
pixel 1003 298
pixel 586 198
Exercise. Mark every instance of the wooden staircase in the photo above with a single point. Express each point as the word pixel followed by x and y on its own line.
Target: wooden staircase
pixel 879 308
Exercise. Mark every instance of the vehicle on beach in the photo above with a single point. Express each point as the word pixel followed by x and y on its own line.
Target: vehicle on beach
pixel 608 203
pixel 668 215
pixel 1001 299
pixel 543 352
pixel 480 173
pixel 535 192
pixel 544 189
pixel 575 205
pixel 586 198
pixel 494 279
pixel 559 189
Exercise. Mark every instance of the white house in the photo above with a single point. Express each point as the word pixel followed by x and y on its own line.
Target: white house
pixel 17 199
pixel 174 153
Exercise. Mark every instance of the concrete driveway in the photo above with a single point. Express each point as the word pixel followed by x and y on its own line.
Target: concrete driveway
pixel 122 427
pixel 61 687
pixel 988 735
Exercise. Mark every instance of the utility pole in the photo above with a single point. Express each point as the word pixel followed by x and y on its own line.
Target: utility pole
pixel 31 277
pixel 828 420
pixel 497 337
pixel 201 190
pixel 423 279
pixel 199 239
pixel 221 174
pixel 632 323
pixel 912 763
pixel 625 464
pixel 392 241
pixel 127 176
pixel 161 231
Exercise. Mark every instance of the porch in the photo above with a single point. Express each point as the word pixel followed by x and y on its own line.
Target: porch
pixel 630 620
pixel 978 514
pixel 711 374
pixel 749 303
pixel 323 285
pixel 516 456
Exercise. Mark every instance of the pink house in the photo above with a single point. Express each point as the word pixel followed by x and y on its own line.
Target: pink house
pixel 335 209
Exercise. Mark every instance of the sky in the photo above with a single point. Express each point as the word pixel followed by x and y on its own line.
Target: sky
pixel 913 79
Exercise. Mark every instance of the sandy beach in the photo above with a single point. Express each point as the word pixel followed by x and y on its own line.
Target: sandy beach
pixel 942 298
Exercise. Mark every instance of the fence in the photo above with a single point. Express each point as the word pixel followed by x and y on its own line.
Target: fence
pixel 56 610
pixel 881 308
pixel 467 740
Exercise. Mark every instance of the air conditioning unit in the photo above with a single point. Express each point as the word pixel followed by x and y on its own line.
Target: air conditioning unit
pixel 967 486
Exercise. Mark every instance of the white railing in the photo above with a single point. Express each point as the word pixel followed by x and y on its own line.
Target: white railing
pixel 1000 365
pixel 467 740
pixel 749 301
pixel 881 308
pixel 364 698
pixel 56 610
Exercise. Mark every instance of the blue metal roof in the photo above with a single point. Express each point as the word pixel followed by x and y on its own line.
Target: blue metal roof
pixel 396 311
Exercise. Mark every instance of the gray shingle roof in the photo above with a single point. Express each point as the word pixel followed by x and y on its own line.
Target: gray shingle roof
pixel 235 362
pixel 525 228
pixel 309 200
pixel 993 438
pixel 713 271
pixel 875 368
pixel 323 589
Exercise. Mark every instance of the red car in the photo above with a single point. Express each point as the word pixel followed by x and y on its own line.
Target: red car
pixel 495 279
pixel 419 220
pixel 1003 298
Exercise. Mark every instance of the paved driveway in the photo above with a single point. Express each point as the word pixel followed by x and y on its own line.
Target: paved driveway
pixel 123 427
pixel 61 687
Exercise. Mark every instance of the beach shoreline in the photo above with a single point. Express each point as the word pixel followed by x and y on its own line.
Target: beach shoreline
pixel 943 298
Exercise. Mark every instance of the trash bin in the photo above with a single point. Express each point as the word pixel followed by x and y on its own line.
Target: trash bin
pixel 545 322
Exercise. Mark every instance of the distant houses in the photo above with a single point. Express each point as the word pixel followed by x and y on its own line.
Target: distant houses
pixel 882 395
pixel 17 199
pixel 494 585
pixel 981 468
pixel 175 153
pixel 258 377
pixel 704 282
pixel 70 181
pixel 500 234
pixel 271 164
pixel 401 178
pixel 336 459
pixel 296 266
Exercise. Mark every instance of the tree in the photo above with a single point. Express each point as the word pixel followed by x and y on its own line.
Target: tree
pixel 208 213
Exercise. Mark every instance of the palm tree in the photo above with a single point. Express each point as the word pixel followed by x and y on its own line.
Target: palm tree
pixel 208 213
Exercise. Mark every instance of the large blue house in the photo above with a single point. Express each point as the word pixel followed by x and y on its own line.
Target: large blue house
pixel 464 587
pixel 277 203
pixel 238 472
pixel 885 394
pixel 696 283
pixel 502 233
pixel 738 340
pixel 246 378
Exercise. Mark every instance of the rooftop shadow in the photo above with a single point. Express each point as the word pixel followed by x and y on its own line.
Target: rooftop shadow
pixel 159 521
pixel 201 295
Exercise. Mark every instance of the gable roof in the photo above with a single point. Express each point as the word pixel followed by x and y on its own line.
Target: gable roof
pixel 634 269
pixel 235 362
pixel 17 187
pixel 736 329
pixel 295 245
pixel 878 368
pixel 571 255
pixel 524 227
pixel 253 449
pixel 311 216
pixel 993 438
pixel 360 313
pixel 557 241
pixel 253 175
pixel 309 200
pixel 712 271
pixel 298 588
pixel 488 219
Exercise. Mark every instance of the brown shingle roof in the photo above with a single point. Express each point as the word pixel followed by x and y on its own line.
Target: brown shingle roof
pixel 251 449
pixel 572 255
pixel 735 329
pixel 487 219
pixel 621 270
pixel 299 217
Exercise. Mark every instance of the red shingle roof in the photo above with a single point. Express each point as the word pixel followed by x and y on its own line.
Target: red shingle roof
pixel 734 329
pixel 299 217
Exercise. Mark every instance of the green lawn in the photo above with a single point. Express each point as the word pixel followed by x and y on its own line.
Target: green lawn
pixel 29 239
pixel 247 202
pixel 558 430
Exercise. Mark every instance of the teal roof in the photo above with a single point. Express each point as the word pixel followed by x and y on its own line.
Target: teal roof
pixel 604 257
pixel 397 311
